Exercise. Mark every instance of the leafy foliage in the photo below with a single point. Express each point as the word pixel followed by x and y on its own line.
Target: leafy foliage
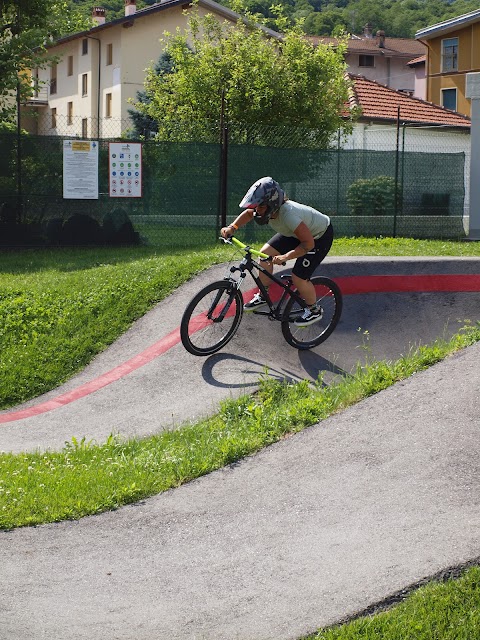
pixel 263 82
pixel 143 124
pixel 25 29
pixel 398 18
pixel 372 196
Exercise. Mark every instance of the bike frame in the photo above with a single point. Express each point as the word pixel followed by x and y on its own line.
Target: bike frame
pixel 249 264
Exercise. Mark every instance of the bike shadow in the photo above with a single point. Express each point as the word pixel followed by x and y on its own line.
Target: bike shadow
pixel 313 365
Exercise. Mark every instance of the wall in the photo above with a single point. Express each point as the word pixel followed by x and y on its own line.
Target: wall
pixel 468 60
pixel 415 139
pixel 391 72
pixel 135 48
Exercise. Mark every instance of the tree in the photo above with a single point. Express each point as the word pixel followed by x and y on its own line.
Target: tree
pixel 143 124
pixel 265 81
pixel 26 28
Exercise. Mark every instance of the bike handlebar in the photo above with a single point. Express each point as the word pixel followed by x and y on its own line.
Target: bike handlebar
pixel 241 245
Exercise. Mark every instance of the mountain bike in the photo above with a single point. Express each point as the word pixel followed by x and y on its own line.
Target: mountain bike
pixel 213 316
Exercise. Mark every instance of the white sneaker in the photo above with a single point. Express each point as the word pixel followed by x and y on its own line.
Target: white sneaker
pixel 255 303
pixel 309 316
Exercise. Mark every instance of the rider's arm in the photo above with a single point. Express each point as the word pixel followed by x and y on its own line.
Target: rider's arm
pixel 239 221
pixel 307 243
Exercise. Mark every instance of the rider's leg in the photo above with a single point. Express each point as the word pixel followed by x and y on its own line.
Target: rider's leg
pixel 305 289
pixel 268 266
pixel 304 267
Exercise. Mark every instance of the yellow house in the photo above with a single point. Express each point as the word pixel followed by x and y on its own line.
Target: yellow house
pixel 87 92
pixel 453 48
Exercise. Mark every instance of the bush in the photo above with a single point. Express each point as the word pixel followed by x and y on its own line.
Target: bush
pixel 118 228
pixel 81 229
pixel 372 197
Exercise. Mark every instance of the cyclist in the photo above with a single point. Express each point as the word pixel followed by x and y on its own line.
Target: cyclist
pixel 303 234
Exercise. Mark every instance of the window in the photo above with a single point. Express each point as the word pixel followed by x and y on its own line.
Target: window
pixel 53 79
pixel 53 115
pixel 84 84
pixel 84 128
pixel 450 54
pixel 108 105
pixel 84 46
pixel 449 99
pixel 35 83
pixel 366 61
pixel 69 112
pixel 109 54
pixel 70 66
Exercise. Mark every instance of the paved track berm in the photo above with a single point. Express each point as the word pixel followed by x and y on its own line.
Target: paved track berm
pixel 309 531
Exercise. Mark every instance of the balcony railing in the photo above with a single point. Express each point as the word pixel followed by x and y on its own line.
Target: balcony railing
pixel 39 97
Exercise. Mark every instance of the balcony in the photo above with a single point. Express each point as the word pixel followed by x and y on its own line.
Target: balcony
pixel 39 98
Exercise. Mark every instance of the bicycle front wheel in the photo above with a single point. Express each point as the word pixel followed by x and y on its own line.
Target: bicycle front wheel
pixel 329 298
pixel 211 319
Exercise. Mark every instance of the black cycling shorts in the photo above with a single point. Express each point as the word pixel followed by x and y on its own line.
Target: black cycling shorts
pixel 306 265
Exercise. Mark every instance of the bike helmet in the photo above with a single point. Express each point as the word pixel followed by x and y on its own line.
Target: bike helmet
pixel 265 191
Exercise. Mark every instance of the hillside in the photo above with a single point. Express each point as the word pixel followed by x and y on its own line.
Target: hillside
pixel 398 18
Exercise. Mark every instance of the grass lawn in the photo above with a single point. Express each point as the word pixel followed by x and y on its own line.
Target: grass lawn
pixel 60 308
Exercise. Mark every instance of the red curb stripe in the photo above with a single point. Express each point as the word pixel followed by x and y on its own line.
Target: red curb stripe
pixel 349 286
pixel 399 284
pixel 122 370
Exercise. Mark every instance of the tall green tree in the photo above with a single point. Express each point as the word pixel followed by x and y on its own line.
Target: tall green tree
pixel 26 28
pixel 264 81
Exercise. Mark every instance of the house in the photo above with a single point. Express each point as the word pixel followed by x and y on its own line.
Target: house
pixel 419 66
pixel 380 58
pixel 422 148
pixel 99 71
pixel 428 126
pixel 453 50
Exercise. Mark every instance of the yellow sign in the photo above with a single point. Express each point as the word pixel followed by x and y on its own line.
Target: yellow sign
pixel 80 146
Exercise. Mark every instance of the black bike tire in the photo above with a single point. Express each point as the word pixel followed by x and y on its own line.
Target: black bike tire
pixel 327 331
pixel 187 338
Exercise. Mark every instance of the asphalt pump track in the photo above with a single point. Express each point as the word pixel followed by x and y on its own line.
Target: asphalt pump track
pixel 302 535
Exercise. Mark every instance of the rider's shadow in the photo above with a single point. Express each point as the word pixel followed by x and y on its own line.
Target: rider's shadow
pixel 312 363
pixel 315 365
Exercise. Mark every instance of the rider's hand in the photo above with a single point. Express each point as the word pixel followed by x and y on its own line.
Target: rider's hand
pixel 279 259
pixel 226 232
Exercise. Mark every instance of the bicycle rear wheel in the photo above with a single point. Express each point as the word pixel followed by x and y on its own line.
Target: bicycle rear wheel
pixel 211 319
pixel 329 298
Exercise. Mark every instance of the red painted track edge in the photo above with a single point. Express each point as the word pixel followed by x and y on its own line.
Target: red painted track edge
pixel 353 285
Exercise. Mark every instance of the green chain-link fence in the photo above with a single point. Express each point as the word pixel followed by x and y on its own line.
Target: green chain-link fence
pixel 366 192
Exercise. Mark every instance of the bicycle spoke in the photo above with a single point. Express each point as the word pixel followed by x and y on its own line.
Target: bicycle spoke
pixel 211 319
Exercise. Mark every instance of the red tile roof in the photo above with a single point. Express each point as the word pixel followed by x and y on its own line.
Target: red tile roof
pixel 398 47
pixel 419 60
pixel 380 103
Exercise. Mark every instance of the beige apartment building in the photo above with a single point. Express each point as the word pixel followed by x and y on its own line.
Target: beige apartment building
pixel 87 93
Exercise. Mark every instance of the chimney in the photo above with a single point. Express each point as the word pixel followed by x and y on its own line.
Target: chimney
pixel 98 15
pixel 367 30
pixel 130 7
pixel 381 39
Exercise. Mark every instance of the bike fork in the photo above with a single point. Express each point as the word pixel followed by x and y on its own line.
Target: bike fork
pixel 234 286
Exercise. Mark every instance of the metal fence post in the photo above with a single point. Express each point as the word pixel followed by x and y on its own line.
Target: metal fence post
pixel 395 204
pixel 223 169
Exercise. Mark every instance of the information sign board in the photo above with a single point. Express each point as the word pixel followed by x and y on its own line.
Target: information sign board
pixel 125 169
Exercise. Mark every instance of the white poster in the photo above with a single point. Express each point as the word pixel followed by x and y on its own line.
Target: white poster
pixel 125 169
pixel 80 169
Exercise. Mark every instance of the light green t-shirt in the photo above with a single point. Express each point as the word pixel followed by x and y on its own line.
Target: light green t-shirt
pixel 291 214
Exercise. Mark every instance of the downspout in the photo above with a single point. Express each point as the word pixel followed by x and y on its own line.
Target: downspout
pixel 427 74
pixel 99 78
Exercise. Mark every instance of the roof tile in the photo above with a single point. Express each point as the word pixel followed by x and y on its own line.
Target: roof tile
pixel 402 47
pixel 381 103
